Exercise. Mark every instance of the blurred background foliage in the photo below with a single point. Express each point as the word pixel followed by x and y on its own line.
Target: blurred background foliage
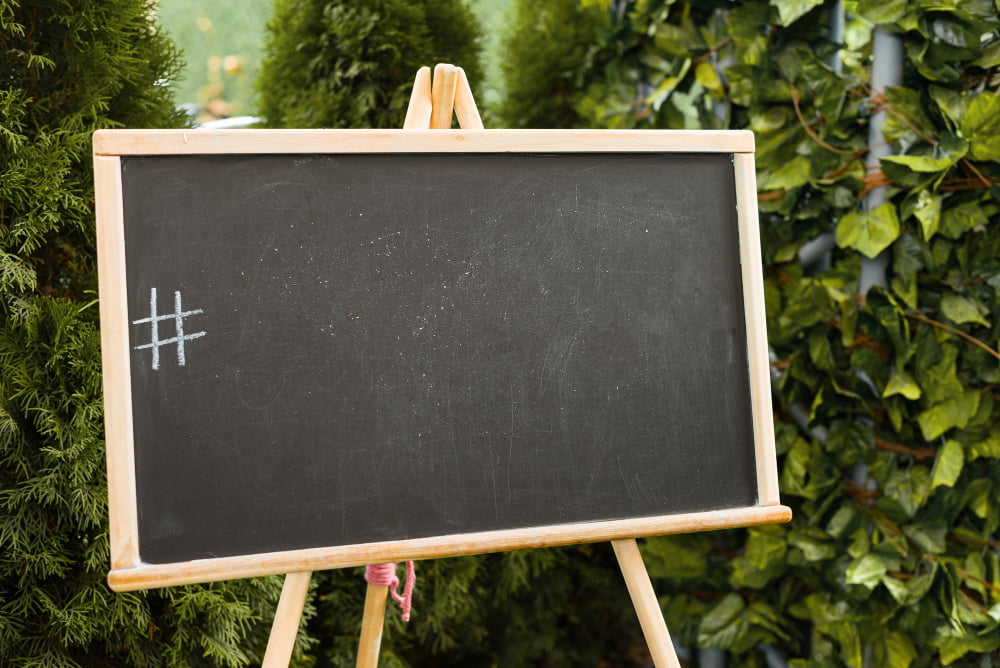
pixel 351 64
pixel 885 393
pixel 221 43
pixel 223 51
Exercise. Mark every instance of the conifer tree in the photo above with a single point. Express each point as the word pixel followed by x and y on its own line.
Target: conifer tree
pixel 552 52
pixel 351 64
pixel 67 69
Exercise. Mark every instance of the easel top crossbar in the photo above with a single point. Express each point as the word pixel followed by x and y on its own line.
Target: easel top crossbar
pixel 200 142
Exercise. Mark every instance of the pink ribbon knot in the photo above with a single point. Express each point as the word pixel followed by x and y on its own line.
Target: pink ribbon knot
pixel 384 575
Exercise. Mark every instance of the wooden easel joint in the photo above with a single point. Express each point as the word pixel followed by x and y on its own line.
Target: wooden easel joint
pixel 433 103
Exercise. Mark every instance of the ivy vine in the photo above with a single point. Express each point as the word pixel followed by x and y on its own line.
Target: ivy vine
pixel 886 401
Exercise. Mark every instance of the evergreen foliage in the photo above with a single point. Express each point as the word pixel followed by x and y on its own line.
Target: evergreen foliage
pixel 553 48
pixel 351 64
pixel 886 402
pixel 67 69
pixel 557 607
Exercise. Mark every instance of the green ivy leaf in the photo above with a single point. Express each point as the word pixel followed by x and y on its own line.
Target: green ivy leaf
pixel 881 12
pixel 928 536
pixel 990 57
pixel 664 90
pixel 706 75
pixel 951 102
pixel 805 472
pixel 763 560
pixel 948 465
pixel 981 126
pixel 955 647
pixel 724 625
pixel 895 650
pixel 891 316
pixel 869 233
pixel 954 412
pixel 907 260
pixel 920 163
pixel 960 309
pixel 790 11
pixel 866 571
pixel 792 174
pixel 958 220
pixel 988 447
pixel 978 494
pixel 680 557
pixel 905 490
pixel 909 112
pixel 902 382
pixel 936 368
pixel 928 212
pixel 814 544
pixel 910 590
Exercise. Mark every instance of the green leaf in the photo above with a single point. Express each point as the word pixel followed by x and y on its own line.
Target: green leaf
pixel 958 220
pixel 896 649
pixel 866 571
pixel 906 489
pixel 978 494
pixel 790 11
pixel 890 315
pixel 990 57
pixel 951 102
pixel 720 615
pixel 954 412
pixel 881 12
pixel 724 624
pixel 953 648
pixel 981 126
pixel 706 75
pixel 792 174
pixel 669 84
pixel 948 465
pixel 815 544
pixel 920 163
pixel 960 309
pixel 908 112
pixel 763 560
pixel 910 590
pixel 843 521
pixel 907 260
pixel 935 367
pixel 988 447
pixel 680 557
pixel 902 382
pixel 869 233
pixel 928 536
pixel 928 212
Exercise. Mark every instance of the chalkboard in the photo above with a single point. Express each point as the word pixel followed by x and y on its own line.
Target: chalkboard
pixel 336 349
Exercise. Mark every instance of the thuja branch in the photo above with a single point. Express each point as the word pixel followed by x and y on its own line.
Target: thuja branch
pixel 957 332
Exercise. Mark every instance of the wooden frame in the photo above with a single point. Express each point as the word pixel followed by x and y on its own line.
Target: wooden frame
pixel 128 572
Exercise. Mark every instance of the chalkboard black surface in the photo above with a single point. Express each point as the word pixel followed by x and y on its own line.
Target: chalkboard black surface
pixel 338 349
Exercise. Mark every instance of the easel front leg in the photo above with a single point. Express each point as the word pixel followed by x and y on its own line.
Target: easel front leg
pixel 654 628
pixel 372 621
pixel 286 620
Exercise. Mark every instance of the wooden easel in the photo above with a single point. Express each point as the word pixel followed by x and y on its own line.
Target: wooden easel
pixel 431 107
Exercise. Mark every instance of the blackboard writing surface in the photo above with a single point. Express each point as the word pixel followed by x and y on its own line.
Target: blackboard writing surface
pixel 337 349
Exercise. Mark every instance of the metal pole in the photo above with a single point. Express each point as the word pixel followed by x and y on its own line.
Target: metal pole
pixel 887 70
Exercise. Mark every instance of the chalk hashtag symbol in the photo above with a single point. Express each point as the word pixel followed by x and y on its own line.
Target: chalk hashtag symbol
pixel 154 321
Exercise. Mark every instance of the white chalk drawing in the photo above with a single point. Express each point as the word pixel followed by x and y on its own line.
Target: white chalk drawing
pixel 178 317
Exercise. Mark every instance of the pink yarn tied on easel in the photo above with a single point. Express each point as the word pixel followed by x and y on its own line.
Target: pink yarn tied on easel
pixel 384 575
